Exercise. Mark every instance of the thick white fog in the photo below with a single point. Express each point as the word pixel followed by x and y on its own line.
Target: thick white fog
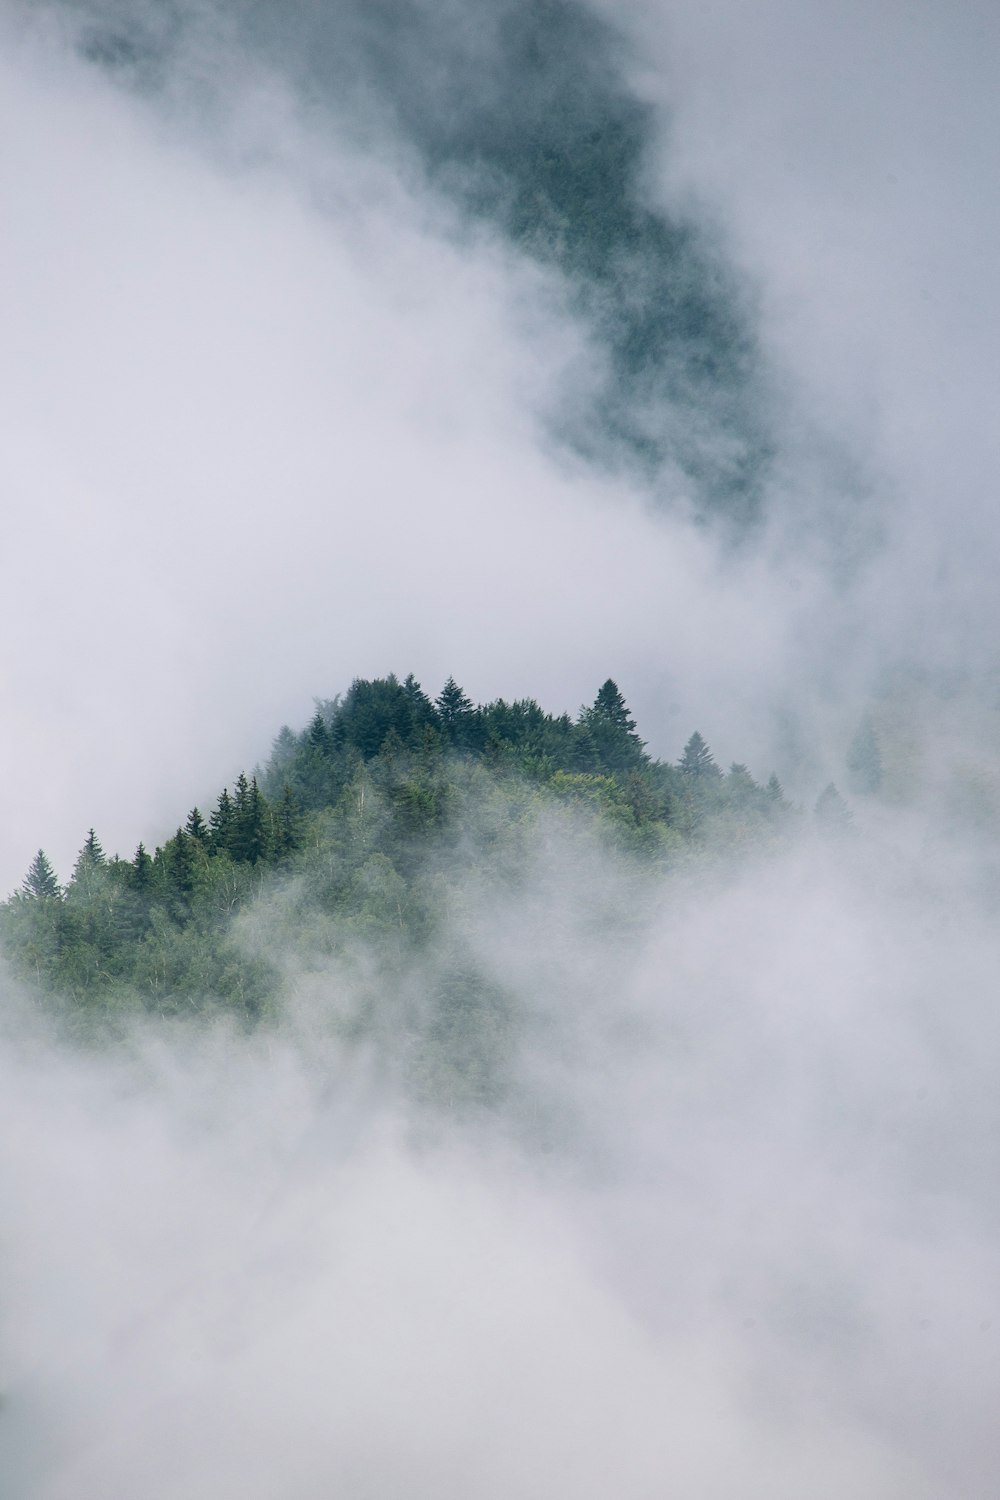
pixel 278 412
pixel 732 1233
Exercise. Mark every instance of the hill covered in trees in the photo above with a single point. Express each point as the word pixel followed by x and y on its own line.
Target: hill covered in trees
pixel 364 833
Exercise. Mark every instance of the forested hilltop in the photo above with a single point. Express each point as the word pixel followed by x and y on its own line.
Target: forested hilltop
pixel 368 828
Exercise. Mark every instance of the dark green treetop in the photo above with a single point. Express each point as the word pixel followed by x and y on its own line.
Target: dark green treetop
pixel 455 713
pixel 608 732
pixel 196 827
pixel 40 879
pixel 697 759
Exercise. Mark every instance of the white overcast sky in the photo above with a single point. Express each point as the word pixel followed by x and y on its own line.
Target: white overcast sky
pixel 268 423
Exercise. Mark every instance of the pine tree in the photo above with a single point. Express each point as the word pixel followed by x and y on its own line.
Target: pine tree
pixel 422 710
pixel 40 880
pixel 142 867
pixel 180 865
pixel 317 735
pixel 89 861
pixel 196 827
pixel 91 853
pixel 455 711
pixel 287 825
pixel 250 839
pixel 222 823
pixel 607 731
pixel 610 705
pixel 741 789
pixel 697 759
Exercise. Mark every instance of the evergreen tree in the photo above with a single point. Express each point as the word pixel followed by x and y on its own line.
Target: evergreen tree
pixel 741 789
pixel 423 714
pixel 455 712
pixel 610 705
pixel 90 856
pixel 250 836
pixel 609 731
pixel 142 867
pixel 369 711
pixel 222 823
pixel 697 760
pixel 317 735
pixel 864 760
pixel 40 880
pixel 287 825
pixel 774 789
pixel 180 865
pixel 196 827
pixel 89 868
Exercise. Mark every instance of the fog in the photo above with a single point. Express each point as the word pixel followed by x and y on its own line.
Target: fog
pixel 296 390
pixel 728 1228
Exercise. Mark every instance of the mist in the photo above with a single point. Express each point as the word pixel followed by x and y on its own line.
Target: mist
pixel 724 1222
pixel 523 344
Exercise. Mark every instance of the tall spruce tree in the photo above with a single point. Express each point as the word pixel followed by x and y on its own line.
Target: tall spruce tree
pixel 221 823
pixel 142 869
pixel 251 835
pixel 455 713
pixel 287 825
pixel 607 729
pixel 40 880
pixel 196 827
pixel 697 760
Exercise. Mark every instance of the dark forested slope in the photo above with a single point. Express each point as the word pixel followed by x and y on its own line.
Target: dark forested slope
pixel 365 833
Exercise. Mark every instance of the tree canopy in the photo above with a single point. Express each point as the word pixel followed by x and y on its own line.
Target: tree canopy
pixel 374 810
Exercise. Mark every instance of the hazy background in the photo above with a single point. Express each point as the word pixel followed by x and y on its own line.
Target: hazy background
pixel 298 385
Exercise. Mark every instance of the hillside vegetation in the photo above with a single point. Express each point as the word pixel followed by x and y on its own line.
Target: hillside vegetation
pixel 361 841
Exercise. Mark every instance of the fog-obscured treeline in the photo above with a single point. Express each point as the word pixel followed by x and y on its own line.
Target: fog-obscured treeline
pixel 371 824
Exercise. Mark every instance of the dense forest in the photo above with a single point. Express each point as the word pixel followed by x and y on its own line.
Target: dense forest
pixel 365 832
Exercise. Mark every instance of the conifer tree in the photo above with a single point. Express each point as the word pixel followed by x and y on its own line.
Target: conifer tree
pixel 91 853
pixel 40 880
pixel 180 865
pixel 610 730
pixel 287 825
pixel 142 867
pixel 221 823
pixel 250 839
pixel 422 710
pixel 89 862
pixel 196 827
pixel 317 735
pixel 697 760
pixel 455 712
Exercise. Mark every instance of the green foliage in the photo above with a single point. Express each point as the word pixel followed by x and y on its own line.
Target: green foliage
pixel 40 880
pixel 367 831
pixel 455 715
pixel 609 732
pixel 697 760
